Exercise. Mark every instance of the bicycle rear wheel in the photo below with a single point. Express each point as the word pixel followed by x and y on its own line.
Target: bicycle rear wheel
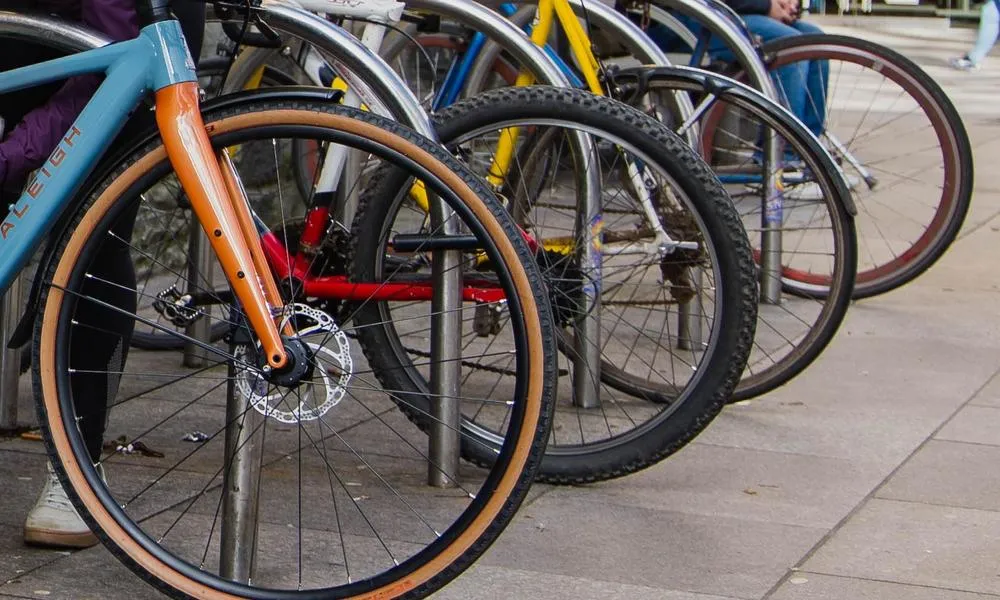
pixel 311 489
pixel 902 145
pixel 676 318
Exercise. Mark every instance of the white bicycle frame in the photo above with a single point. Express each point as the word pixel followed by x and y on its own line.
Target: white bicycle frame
pixel 377 14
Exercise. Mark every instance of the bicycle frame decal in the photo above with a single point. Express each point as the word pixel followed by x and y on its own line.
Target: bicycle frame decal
pixel 36 182
pixel 156 59
pixel 36 185
pixel 774 207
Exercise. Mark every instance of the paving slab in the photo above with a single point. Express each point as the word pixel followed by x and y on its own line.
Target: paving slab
pixel 23 475
pixel 716 481
pixel 918 544
pixel 496 583
pixel 91 574
pixel 974 424
pixel 961 273
pixel 949 474
pixel 16 559
pixel 581 537
pixel 989 395
pixel 812 586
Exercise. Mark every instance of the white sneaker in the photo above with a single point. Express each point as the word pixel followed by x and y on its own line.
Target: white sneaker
pixel 54 521
pixel 962 63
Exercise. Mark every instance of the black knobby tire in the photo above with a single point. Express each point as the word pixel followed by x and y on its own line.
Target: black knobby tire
pixel 504 488
pixel 720 371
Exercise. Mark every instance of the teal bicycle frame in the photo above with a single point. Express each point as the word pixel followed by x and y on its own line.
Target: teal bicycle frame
pixel 133 69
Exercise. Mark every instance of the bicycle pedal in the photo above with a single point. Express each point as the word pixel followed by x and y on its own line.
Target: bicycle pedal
pixel 486 321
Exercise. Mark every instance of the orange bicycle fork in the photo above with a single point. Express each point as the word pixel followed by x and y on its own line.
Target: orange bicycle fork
pixel 218 200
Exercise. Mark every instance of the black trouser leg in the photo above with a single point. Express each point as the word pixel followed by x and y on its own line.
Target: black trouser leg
pixel 100 340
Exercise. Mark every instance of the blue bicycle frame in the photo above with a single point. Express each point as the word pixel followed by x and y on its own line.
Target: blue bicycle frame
pixel 458 72
pixel 156 59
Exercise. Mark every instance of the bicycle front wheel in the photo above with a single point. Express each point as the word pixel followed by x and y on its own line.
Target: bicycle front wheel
pixel 223 482
pixel 793 205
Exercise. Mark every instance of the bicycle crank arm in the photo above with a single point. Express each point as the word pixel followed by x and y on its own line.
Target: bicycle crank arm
pixel 649 249
pixel 415 242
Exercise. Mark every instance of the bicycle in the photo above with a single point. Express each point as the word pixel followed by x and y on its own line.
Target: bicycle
pixel 792 333
pixel 714 356
pixel 912 205
pixel 268 390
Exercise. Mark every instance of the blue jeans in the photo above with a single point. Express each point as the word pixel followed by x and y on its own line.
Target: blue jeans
pixel 989 27
pixel 802 85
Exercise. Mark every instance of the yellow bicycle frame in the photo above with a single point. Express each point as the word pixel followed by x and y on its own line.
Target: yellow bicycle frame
pixel 580 44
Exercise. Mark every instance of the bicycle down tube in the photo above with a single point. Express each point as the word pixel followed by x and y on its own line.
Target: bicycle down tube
pixel 156 61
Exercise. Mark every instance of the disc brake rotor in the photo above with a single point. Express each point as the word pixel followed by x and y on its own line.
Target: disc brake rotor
pixel 310 400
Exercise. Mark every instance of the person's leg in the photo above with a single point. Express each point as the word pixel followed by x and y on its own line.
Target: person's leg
pixel 989 27
pixel 53 520
pixel 790 80
pixel 813 113
pixel 99 348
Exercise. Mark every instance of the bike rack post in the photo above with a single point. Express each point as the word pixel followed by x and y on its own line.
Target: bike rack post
pixel 238 533
pixel 587 330
pixel 771 223
pixel 446 354
pixel 758 77
pixel 241 476
pixel 200 268
pixel 10 358
pixel 690 335
pixel 504 35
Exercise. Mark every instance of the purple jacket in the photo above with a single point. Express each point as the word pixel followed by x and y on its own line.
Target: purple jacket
pixel 35 137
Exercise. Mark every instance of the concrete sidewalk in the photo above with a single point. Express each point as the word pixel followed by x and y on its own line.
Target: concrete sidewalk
pixel 874 475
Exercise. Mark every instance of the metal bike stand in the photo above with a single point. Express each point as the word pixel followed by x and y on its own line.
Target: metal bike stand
pixel 690 335
pixel 200 266
pixel 403 105
pixel 758 77
pixel 241 475
pixel 10 359
pixel 771 224
pixel 241 479
pixel 446 352
pixel 446 366
pixel 587 330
